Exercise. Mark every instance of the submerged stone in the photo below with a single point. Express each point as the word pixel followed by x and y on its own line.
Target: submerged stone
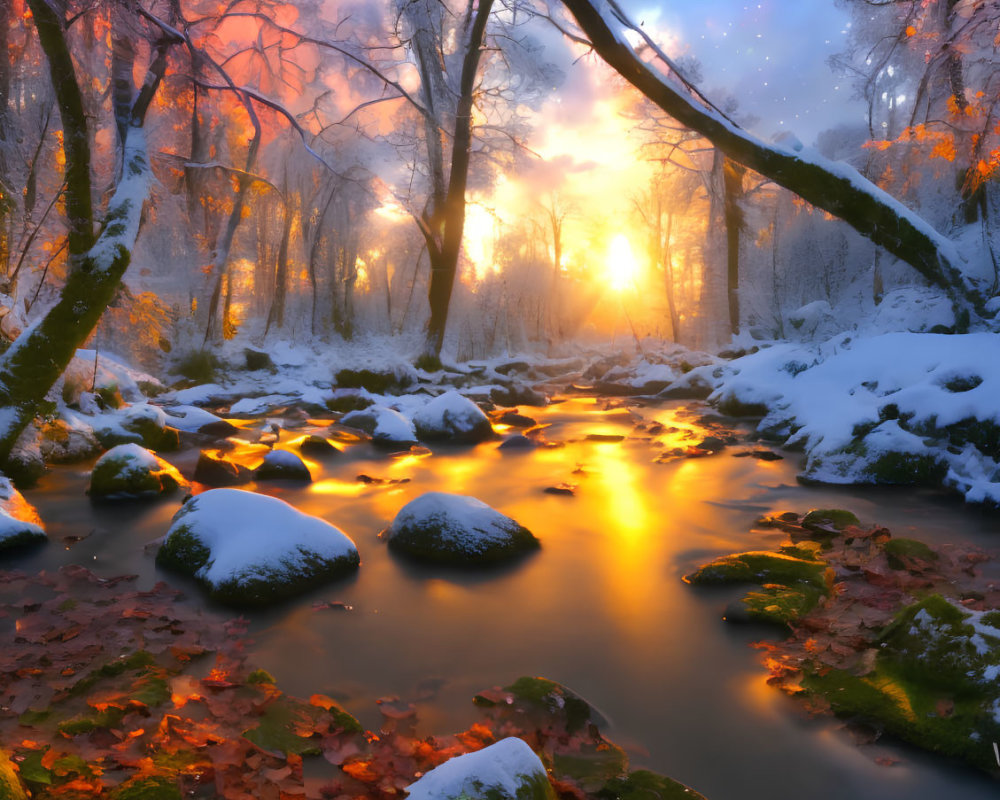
pixel 506 770
pixel 250 549
pixel 219 471
pixel 645 785
pixel 762 567
pixel 282 465
pixel 318 447
pixel 130 472
pixel 823 519
pixel 456 529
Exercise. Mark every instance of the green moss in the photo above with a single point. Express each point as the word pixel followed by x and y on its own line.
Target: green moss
pixel 530 787
pixel 110 718
pixel 554 698
pixel 645 785
pixel 590 766
pixel 762 567
pixel 909 711
pixel 268 587
pixel 154 787
pixel 429 363
pixel 820 518
pixel 374 382
pixel 780 605
pixel 348 402
pixel 200 366
pixel 183 552
pixel 931 643
pixel 260 676
pixel 809 551
pixel 907 469
pixel 899 552
pixel 991 618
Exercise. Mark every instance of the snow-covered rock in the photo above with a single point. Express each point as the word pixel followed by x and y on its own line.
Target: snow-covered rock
pixel 507 770
pixel 385 425
pixel 456 529
pixel 282 465
pixel 250 549
pixel 139 423
pixel 129 471
pixel 895 408
pixel 192 419
pixel 452 417
pixel 19 521
pixel 67 439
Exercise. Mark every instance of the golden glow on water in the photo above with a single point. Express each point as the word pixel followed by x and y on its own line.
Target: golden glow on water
pixel 332 486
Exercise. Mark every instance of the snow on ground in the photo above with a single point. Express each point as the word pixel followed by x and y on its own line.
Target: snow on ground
pixel 383 423
pixel 506 770
pixel 853 403
pixel 189 418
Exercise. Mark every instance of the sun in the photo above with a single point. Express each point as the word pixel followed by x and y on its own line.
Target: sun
pixel 622 264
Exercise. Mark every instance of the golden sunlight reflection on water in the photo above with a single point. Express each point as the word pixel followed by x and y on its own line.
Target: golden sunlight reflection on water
pixel 600 608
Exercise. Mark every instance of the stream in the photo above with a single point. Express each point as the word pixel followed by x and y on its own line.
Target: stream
pixel 600 608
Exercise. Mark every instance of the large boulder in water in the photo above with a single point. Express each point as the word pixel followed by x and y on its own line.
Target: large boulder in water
pixel 139 423
pixel 456 529
pixel 130 472
pixel 19 522
pixel 452 417
pixel 217 470
pixel 250 549
pixel 282 465
pixel 507 770
pixel 386 426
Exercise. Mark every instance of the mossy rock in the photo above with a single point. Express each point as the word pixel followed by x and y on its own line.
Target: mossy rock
pixel 345 402
pixel 152 787
pixel 763 567
pixel 820 520
pixel 590 765
pixel 905 553
pixel 130 472
pixel 909 711
pixel 645 785
pixel 551 700
pixel 200 366
pixel 907 469
pixel 934 643
pixel 373 381
pixel 11 787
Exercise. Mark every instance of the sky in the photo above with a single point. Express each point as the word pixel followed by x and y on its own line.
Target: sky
pixel 771 54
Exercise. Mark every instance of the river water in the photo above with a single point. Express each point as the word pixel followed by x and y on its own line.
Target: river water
pixel 600 608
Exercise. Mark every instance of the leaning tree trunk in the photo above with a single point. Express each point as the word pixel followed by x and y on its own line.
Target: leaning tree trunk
pixel 832 186
pixel 40 355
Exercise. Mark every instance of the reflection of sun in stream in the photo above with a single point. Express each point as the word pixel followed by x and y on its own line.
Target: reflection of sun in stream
pixel 620 499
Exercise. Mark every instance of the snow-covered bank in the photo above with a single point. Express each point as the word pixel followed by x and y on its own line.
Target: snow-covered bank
pixel 894 408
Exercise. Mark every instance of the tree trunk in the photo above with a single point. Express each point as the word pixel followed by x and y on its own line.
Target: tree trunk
pixel 832 186
pixel 444 257
pixel 35 361
pixel 276 314
pixel 732 183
